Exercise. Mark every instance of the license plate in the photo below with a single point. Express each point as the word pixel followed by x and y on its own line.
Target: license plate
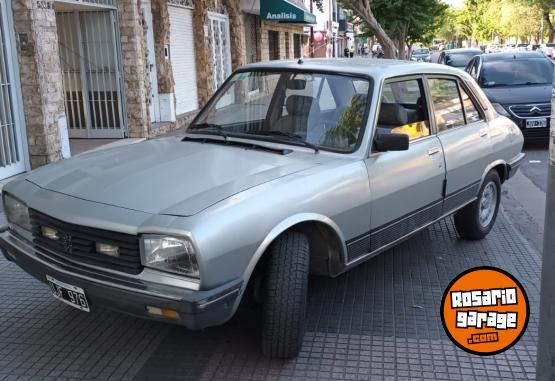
pixel 536 123
pixel 69 294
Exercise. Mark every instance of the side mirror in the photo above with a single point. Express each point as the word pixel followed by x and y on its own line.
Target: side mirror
pixel 392 142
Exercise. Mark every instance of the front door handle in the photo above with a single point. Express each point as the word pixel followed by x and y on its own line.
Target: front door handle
pixel 483 132
pixel 434 151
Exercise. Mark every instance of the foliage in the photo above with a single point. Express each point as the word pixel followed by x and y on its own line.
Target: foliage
pixel 404 21
pixel 410 21
pixel 481 20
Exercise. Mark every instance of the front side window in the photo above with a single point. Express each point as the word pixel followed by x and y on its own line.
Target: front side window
pixel 448 109
pixel 403 109
pixel 323 110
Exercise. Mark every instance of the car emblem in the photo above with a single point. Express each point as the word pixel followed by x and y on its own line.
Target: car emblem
pixel 66 242
pixel 535 109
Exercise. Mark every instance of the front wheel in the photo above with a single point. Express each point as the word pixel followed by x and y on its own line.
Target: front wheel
pixel 475 220
pixel 284 304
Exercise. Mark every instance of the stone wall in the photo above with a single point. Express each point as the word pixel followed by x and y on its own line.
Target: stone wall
pixel 41 78
pixel 135 67
pixel 285 48
pixel 161 26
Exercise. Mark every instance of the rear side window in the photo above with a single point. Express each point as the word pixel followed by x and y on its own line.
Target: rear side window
pixel 470 110
pixel 448 109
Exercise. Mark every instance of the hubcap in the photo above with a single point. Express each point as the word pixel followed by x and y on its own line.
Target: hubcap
pixel 488 203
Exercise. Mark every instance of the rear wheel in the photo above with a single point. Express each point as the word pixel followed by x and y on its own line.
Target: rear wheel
pixel 475 220
pixel 284 308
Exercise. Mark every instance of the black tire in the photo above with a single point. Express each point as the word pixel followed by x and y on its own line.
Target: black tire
pixel 467 220
pixel 284 305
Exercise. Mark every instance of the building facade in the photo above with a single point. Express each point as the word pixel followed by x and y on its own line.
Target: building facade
pixel 78 69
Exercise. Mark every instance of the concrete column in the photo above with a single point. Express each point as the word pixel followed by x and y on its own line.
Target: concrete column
pixel 41 78
pixel 135 67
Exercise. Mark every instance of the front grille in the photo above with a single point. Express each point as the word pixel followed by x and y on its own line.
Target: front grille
pixel 78 244
pixel 540 110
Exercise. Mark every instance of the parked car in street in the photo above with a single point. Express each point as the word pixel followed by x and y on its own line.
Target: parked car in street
pixel 292 168
pixel 547 49
pixel 421 55
pixel 522 47
pixel 519 85
pixel 458 58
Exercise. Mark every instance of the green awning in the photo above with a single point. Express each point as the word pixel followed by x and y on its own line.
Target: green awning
pixel 285 11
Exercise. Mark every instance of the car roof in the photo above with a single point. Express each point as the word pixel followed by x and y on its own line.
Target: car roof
pixel 463 50
pixel 505 56
pixel 374 67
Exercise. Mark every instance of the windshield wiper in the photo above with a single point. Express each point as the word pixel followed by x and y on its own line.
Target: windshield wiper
pixel 210 128
pixel 294 137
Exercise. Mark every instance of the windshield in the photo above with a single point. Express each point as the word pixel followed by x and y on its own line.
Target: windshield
pixel 460 59
pixel 420 51
pixel 311 109
pixel 538 71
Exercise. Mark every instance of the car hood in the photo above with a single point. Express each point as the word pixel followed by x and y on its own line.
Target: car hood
pixel 167 176
pixel 519 94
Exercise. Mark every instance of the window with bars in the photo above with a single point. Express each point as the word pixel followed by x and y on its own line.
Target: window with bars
pixel 287 46
pixel 297 44
pixel 273 44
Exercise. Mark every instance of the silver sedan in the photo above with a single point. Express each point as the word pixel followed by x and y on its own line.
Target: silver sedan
pixel 292 168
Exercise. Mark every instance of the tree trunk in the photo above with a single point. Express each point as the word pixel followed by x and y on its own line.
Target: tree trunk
pixel 161 29
pixel 551 32
pixel 363 10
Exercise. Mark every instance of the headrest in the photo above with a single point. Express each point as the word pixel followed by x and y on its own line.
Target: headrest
pixel 299 104
pixel 393 114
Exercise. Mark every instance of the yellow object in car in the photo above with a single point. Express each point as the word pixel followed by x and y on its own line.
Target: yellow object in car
pixel 413 130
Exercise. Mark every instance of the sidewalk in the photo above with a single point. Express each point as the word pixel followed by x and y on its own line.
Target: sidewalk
pixel 378 321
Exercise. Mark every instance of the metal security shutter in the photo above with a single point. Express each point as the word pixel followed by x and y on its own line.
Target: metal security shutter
pixel 182 55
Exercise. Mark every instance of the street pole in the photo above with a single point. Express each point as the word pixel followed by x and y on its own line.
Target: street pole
pixel 545 366
pixel 311 43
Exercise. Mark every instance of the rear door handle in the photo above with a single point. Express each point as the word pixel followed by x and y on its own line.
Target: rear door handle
pixel 434 151
pixel 483 132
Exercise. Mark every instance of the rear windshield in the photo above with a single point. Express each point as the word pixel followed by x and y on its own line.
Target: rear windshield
pixel 460 59
pixel 420 51
pixel 536 71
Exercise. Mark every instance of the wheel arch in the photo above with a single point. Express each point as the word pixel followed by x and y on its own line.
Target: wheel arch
pixel 315 227
pixel 500 166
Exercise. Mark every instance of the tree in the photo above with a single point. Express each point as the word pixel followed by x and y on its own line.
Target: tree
pixel 545 6
pixel 363 9
pixel 409 21
pixel 399 23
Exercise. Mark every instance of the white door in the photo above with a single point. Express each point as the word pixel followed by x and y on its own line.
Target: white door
pixel 12 154
pixel 154 106
pixel 182 55
pixel 218 33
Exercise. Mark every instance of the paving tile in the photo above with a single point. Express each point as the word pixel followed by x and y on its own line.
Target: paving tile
pixel 361 325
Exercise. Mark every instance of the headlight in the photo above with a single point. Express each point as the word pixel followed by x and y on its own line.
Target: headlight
pixel 500 109
pixel 17 212
pixel 171 254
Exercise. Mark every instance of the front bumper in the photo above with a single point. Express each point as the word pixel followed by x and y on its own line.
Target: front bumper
pixel 532 134
pixel 127 294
